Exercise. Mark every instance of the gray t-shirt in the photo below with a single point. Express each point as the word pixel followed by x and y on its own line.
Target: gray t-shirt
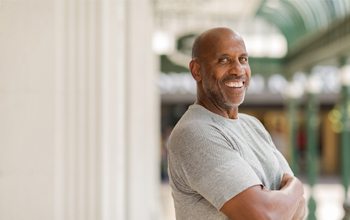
pixel 212 159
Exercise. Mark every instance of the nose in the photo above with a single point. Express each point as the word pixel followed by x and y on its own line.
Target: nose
pixel 236 68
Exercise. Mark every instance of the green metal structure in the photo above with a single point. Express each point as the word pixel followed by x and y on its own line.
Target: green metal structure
pixel 345 146
pixel 292 118
pixel 298 19
pixel 312 150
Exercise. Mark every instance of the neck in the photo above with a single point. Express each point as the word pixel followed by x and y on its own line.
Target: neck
pixel 231 113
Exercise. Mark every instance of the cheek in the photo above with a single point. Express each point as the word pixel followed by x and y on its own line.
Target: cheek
pixel 212 77
pixel 219 74
pixel 248 71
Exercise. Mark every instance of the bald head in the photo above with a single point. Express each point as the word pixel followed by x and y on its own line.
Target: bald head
pixel 209 38
pixel 220 67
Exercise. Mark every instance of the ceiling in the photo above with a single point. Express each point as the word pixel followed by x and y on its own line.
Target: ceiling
pixel 181 16
pixel 257 20
pixel 214 10
pixel 298 19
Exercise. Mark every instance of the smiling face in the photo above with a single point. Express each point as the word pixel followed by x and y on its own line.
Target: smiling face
pixel 220 67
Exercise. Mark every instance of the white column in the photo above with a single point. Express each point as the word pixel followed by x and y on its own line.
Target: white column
pixel 142 114
pixel 108 110
pixel 26 110
pixel 79 111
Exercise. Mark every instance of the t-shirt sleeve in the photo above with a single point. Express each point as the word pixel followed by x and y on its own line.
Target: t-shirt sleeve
pixel 210 165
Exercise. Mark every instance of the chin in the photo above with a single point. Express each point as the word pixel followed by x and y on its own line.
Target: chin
pixel 230 105
pixel 234 103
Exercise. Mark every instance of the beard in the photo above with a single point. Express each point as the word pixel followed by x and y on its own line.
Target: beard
pixel 223 96
pixel 218 96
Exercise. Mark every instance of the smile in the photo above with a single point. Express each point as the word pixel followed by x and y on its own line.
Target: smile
pixel 234 84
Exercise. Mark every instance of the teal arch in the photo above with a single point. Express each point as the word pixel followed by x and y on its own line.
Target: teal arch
pixel 299 18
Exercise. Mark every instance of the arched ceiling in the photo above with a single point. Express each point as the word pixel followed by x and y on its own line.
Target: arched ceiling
pixel 297 19
pixel 177 18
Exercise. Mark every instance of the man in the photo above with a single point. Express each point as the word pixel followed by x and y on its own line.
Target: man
pixel 223 164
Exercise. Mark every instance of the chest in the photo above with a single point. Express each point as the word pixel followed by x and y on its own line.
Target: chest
pixel 259 152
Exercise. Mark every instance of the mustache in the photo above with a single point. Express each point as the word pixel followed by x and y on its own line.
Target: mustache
pixel 234 77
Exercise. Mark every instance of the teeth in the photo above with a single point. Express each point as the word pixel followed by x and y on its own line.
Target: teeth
pixel 234 84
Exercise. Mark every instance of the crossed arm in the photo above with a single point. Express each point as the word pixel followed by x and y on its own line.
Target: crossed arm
pixel 256 202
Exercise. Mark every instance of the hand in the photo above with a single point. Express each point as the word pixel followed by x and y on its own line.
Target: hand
pixel 285 179
pixel 301 212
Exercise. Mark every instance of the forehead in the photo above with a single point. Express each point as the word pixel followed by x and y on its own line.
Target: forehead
pixel 225 43
pixel 233 45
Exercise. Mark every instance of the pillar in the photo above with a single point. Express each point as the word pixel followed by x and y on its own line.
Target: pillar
pixel 108 107
pixel 312 126
pixel 330 152
pixel 79 109
pixel 293 94
pixel 293 128
pixel 27 110
pixel 344 136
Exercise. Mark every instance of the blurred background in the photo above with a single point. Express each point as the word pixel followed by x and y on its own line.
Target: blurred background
pixel 90 91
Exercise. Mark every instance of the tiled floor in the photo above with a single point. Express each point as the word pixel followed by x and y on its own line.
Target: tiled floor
pixel 328 193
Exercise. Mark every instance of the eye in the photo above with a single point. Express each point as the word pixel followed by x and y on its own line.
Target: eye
pixel 243 59
pixel 223 60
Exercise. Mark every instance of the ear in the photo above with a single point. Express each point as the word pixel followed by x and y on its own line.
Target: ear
pixel 195 70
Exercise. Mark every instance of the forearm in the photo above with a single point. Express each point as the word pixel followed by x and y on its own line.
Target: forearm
pixel 282 206
pixel 259 203
pixel 286 203
pixel 301 212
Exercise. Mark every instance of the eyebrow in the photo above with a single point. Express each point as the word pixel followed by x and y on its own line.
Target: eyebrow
pixel 228 55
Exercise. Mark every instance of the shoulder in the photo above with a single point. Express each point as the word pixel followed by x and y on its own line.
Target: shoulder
pixel 251 120
pixel 196 135
pixel 254 124
pixel 196 122
pixel 248 118
pixel 188 131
